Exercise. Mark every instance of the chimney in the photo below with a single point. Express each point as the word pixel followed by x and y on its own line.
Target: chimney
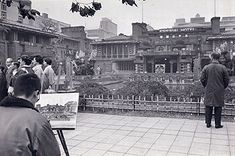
pixel 215 25
pixel 138 29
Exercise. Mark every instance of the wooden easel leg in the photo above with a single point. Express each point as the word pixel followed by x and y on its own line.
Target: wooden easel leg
pixel 62 139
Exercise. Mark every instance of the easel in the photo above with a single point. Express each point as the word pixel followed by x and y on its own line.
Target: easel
pixel 62 139
pixel 60 130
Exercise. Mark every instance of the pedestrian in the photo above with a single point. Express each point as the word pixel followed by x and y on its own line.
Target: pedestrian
pixel 37 66
pixel 9 70
pixel 226 60
pixel 9 62
pixel 24 131
pixel 215 79
pixel 3 83
pixel 48 79
pixel 25 67
pixel 98 70
pixel 16 66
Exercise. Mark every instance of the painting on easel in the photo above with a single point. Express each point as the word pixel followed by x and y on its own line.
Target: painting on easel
pixel 59 109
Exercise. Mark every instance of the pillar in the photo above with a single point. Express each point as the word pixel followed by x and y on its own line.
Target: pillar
pixel 114 67
pixel 111 52
pixel 153 64
pixel 15 36
pixel 178 63
pixel 145 67
pixel 33 39
pixel 171 67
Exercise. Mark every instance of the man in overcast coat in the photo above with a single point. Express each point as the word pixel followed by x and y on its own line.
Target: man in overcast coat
pixel 215 79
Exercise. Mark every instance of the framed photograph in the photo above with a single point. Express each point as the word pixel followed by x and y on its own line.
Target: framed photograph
pixel 59 109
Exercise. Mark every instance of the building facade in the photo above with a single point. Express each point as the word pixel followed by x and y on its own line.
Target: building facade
pixel 227 22
pixel 44 36
pixel 116 54
pixel 106 29
pixel 177 50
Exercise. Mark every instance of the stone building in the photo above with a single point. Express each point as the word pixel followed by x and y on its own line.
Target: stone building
pixel 44 36
pixel 227 22
pixel 116 54
pixel 164 51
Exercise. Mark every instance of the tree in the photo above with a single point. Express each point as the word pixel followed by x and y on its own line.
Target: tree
pixel 89 9
pixel 49 26
pixel 83 67
pixel 29 13
pixel 85 9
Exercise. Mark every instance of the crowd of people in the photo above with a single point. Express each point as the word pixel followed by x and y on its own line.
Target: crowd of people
pixel 23 65
pixel 26 132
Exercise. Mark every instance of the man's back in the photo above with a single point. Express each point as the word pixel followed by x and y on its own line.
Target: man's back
pixel 215 79
pixel 38 71
pixel 25 132
pixel 215 76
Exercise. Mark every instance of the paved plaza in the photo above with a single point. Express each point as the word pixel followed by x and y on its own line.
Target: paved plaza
pixel 113 135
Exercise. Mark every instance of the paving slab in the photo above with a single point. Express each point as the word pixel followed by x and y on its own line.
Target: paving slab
pixel 116 135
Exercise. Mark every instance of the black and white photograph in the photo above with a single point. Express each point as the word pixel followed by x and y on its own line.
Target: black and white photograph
pixel 117 77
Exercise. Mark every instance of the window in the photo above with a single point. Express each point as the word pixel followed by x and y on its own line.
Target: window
pixel 126 66
pixel 179 35
pixel 108 51
pixel 125 51
pixel 23 37
pixel 99 51
pixel 173 36
pixel 114 51
pixel 186 35
pixel 3 7
pixel 4 11
pixel 103 51
pixel 3 15
pixel 131 49
pixel 161 36
pixel 38 39
pixel 119 51
pixel 167 36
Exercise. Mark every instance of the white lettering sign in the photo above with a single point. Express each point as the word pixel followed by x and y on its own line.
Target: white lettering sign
pixel 177 30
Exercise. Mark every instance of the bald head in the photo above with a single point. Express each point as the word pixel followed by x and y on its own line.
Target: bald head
pixel 9 62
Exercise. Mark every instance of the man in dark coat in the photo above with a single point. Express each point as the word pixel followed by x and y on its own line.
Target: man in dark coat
pixel 3 83
pixel 25 68
pixel 24 131
pixel 215 79
pixel 9 70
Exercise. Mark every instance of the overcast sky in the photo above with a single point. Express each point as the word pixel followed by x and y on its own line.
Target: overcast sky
pixel 157 13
